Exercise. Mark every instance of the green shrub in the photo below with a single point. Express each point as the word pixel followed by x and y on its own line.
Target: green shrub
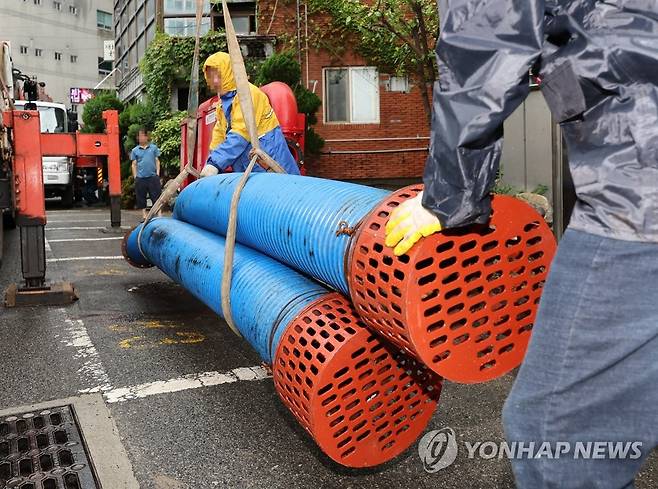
pixel 281 67
pixel 308 103
pixel 92 117
pixel 167 136
pixel 284 67
pixel 128 193
pixel 134 117
pixel 314 143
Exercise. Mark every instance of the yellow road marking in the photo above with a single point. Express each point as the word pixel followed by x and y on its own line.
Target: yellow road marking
pixel 142 341
pixel 184 339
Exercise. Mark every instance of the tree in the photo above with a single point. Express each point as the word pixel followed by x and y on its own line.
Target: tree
pixel 284 67
pixel 134 117
pixel 397 36
pixel 280 67
pixel 92 117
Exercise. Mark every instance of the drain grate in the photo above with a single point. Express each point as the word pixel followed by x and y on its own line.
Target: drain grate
pixel 44 450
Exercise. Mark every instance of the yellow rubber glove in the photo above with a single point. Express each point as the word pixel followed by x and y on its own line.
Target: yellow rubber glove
pixel 409 223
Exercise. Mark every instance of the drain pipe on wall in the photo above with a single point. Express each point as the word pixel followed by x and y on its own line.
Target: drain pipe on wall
pixel 374 151
pixel 306 41
pixel 299 33
pixel 366 140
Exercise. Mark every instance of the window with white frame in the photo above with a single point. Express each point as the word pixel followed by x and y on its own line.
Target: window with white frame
pixel 57 5
pixel 351 95
pixel 58 56
pixel 37 2
pixel 74 58
pixel 73 9
pixel 24 49
pixel 38 52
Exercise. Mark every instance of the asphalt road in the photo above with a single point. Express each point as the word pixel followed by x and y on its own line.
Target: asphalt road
pixel 132 328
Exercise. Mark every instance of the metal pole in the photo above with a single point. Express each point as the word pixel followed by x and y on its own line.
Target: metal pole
pixel 306 42
pixel 299 34
pixel 111 118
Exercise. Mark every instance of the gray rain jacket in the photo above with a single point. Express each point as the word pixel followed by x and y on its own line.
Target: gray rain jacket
pixel 598 61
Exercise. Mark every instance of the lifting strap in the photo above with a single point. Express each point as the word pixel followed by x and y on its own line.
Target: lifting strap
pixel 244 94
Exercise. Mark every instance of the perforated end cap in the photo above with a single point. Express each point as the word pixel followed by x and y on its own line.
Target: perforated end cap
pixel 463 302
pixel 361 400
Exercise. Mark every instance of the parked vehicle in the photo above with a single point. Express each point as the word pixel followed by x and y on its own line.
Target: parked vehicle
pixel 58 171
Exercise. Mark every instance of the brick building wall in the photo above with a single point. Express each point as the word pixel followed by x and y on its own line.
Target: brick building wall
pixel 394 148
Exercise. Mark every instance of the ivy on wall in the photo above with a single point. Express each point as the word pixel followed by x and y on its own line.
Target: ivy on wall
pixel 167 63
pixel 167 136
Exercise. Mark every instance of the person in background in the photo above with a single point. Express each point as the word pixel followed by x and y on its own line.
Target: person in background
pixel 591 370
pixel 145 159
pixel 230 145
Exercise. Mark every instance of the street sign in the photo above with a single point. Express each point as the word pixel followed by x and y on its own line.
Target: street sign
pixel 108 50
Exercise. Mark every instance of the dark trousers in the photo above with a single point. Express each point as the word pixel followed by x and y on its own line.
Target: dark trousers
pixel 144 186
pixel 591 370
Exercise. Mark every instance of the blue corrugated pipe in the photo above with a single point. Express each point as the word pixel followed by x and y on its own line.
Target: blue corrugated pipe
pixel 291 218
pixel 265 295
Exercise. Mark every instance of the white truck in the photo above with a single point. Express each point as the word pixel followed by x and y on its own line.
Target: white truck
pixel 58 176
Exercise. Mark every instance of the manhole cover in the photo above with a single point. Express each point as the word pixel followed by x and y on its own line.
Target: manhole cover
pixel 44 450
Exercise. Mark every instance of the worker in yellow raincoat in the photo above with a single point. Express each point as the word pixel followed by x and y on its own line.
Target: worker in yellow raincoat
pixel 230 145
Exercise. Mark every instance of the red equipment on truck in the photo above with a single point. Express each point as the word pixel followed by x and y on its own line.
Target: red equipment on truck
pixel 282 99
pixel 22 197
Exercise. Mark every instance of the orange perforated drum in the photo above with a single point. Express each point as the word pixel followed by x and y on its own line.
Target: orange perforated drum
pixel 464 302
pixel 363 401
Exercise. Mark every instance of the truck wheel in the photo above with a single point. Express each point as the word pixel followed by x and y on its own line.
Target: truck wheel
pixel 67 197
